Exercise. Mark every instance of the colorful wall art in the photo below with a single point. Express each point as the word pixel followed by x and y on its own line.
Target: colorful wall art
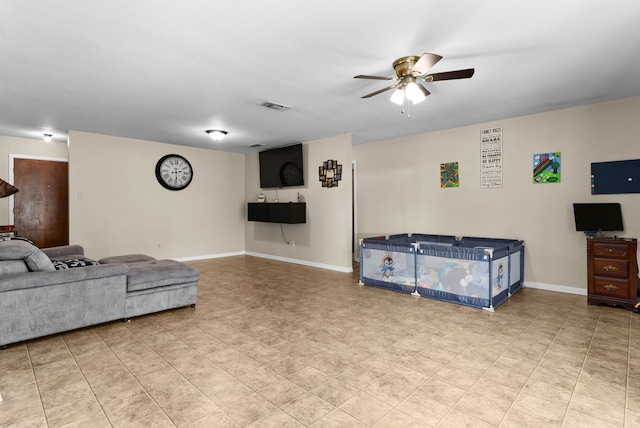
pixel 449 175
pixel 546 168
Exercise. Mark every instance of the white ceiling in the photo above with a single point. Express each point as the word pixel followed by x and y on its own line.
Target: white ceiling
pixel 167 70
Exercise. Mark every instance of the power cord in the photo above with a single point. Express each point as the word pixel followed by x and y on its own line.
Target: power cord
pixel 283 235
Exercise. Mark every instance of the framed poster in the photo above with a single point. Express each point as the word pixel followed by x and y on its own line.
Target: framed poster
pixel 491 158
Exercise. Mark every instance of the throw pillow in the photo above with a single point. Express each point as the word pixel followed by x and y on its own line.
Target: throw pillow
pixel 73 263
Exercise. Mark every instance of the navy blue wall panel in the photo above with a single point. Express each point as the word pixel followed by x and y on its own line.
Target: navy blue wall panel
pixel 615 177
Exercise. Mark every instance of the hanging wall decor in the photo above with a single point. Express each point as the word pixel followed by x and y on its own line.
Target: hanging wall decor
pixel 615 177
pixel 546 168
pixel 449 175
pixel 491 158
pixel 330 173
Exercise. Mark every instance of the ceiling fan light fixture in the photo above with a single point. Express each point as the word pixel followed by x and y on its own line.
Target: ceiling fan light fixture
pixel 398 96
pixel 414 93
pixel 409 69
pixel 48 137
pixel 216 134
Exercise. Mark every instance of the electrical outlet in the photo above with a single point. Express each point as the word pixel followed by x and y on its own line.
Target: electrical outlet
pixel 293 244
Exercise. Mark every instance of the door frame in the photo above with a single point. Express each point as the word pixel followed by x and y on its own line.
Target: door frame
pixel 354 212
pixel 12 158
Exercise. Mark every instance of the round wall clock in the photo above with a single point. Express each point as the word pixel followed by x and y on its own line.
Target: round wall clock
pixel 174 172
pixel 291 175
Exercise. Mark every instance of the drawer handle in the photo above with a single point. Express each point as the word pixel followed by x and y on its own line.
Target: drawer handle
pixel 610 268
pixel 610 287
pixel 613 251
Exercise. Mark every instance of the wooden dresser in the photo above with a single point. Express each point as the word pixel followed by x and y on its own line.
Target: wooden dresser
pixel 612 272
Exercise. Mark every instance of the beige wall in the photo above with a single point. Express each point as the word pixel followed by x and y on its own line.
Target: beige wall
pixel 325 240
pixel 398 188
pixel 125 210
pixel 24 147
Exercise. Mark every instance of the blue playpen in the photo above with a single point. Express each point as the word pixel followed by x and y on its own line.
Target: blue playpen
pixel 478 272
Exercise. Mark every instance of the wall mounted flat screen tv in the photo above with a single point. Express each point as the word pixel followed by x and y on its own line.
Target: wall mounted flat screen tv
pixel 598 217
pixel 281 167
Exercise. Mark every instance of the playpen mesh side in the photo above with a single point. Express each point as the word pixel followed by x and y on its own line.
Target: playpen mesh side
pixel 473 272
pixel 387 265
pixel 516 272
pixel 515 248
pixel 453 274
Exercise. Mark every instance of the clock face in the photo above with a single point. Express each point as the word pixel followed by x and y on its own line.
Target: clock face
pixel 291 175
pixel 174 172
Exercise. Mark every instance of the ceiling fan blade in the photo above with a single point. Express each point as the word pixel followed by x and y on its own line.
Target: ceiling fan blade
pixel 449 75
pixel 364 76
pixel 424 64
pixel 380 91
pixel 423 89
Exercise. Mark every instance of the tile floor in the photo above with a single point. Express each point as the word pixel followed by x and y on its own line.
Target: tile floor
pixel 272 344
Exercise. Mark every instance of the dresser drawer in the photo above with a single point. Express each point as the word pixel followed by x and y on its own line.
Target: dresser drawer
pixel 610 250
pixel 609 267
pixel 611 287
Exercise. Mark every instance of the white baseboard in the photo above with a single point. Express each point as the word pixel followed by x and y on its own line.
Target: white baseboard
pixel 209 256
pixel 301 262
pixel 266 256
pixel 558 288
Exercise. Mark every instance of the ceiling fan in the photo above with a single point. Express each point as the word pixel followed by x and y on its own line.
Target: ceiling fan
pixel 411 69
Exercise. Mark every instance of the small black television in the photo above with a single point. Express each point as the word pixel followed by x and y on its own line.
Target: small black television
pixel 281 167
pixel 598 217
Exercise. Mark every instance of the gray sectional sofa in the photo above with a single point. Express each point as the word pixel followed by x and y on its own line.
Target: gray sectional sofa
pixel 37 300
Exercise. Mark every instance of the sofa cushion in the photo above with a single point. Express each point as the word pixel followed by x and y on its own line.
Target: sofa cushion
pixel 73 263
pixel 35 259
pixel 129 258
pixel 62 278
pixel 159 273
pixel 8 267
pixel 62 252
pixel 67 257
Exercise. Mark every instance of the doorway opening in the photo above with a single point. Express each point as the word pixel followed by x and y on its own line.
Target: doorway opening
pixel 354 214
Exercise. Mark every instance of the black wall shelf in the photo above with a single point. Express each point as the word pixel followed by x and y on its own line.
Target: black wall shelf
pixel 274 212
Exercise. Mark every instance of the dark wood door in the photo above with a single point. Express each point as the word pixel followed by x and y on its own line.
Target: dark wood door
pixel 41 206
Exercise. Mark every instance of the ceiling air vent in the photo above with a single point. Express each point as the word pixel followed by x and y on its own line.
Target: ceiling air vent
pixel 274 106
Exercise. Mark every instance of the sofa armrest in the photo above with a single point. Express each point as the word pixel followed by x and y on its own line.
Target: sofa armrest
pixel 64 251
pixel 51 278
